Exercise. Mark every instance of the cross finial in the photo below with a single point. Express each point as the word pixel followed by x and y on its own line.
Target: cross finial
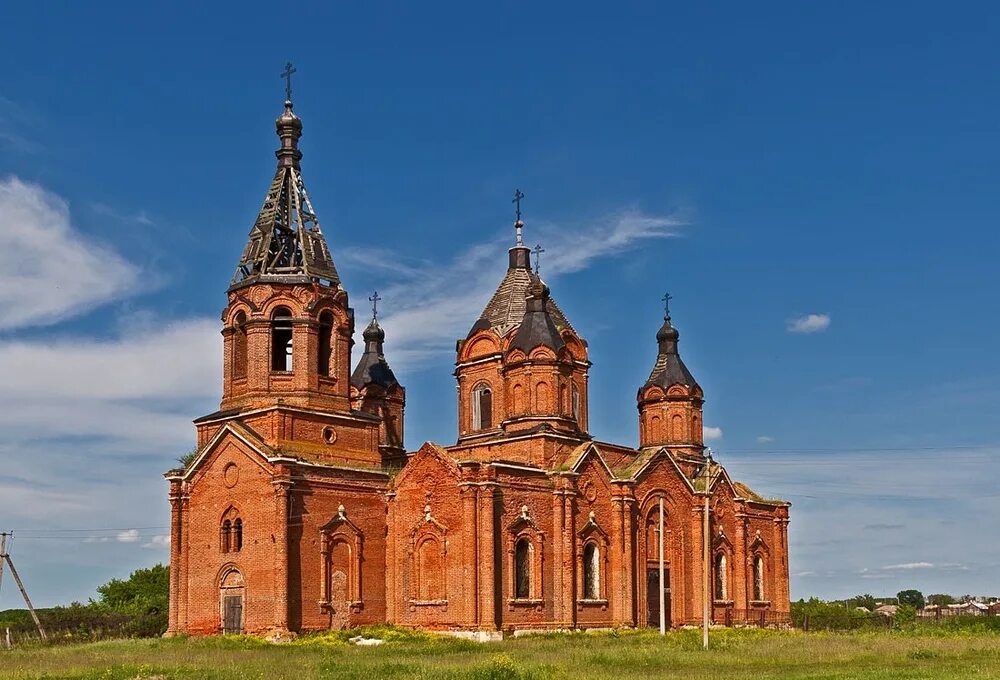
pixel 538 250
pixel 287 75
pixel 374 298
pixel 666 305
pixel 517 202
pixel 518 224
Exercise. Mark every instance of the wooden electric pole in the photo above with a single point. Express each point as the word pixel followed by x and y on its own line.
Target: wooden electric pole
pixel 5 557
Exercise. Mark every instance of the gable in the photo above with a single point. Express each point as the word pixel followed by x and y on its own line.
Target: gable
pixel 232 442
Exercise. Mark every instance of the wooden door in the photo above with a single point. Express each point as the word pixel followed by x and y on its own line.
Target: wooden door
pixel 232 614
pixel 653 596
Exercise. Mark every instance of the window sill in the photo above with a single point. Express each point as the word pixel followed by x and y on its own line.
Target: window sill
pixel 279 374
pixel 593 602
pixel 760 603
pixel 722 603
pixel 525 601
pixel 428 603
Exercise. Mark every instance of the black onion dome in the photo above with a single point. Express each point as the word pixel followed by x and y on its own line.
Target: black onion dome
pixel 669 369
pixel 373 369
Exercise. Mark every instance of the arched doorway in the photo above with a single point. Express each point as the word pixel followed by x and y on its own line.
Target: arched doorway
pixel 231 596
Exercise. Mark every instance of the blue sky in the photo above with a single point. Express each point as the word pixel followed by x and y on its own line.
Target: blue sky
pixel 829 166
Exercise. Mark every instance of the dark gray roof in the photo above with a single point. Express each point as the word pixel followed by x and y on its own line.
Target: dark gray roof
pixel 538 327
pixel 286 243
pixel 669 369
pixel 510 301
pixel 373 369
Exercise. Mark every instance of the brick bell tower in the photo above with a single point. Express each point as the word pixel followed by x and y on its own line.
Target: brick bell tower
pixel 670 402
pixel 288 325
pixel 288 332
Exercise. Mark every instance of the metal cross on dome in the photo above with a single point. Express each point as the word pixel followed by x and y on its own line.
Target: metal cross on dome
pixel 517 202
pixel 287 75
pixel 538 250
pixel 374 299
pixel 666 304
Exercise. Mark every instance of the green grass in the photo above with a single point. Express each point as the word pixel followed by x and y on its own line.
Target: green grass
pixel 926 653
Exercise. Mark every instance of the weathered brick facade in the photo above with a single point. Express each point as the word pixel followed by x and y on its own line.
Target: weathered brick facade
pixel 302 510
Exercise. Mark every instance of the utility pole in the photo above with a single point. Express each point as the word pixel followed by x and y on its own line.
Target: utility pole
pixel 706 539
pixel 5 556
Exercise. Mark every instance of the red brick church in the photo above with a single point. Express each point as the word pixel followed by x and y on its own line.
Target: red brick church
pixel 303 510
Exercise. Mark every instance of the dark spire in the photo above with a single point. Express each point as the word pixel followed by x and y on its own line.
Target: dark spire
pixel 669 368
pixel 373 369
pixel 286 244
pixel 538 328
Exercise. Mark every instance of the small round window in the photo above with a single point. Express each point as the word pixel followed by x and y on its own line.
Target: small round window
pixel 329 435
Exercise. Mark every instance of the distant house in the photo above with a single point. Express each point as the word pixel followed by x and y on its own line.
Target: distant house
pixel 960 609
pixel 968 609
pixel 887 610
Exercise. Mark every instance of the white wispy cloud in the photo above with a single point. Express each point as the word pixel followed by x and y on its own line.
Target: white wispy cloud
pixel 428 305
pixel 128 388
pixel 810 323
pixel 712 433
pixel 764 439
pixel 923 565
pixel 128 536
pixel 140 217
pixel 157 542
pixel 48 271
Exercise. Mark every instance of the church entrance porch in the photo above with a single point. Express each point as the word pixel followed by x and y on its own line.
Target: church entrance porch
pixel 231 600
pixel 653 596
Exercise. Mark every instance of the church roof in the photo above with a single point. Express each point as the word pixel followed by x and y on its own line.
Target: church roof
pixel 509 303
pixel 286 244
pixel 669 369
pixel 373 369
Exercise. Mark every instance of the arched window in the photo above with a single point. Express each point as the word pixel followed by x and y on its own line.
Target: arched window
pixel 325 343
pixel 231 532
pixel 482 407
pixel 522 569
pixel 678 427
pixel 542 397
pixel 240 346
pixel 758 578
pixel 225 536
pixel 591 572
pixel 576 403
pixel 518 399
pixel 654 428
pixel 281 339
pixel 721 585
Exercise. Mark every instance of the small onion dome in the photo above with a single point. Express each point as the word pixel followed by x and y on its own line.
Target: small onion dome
pixel 374 333
pixel 667 332
pixel 669 369
pixel 288 119
pixel 373 369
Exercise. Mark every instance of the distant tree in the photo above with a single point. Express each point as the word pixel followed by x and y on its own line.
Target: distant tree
pixel 905 614
pixel 146 591
pixel 911 598
pixel 867 601
pixel 940 599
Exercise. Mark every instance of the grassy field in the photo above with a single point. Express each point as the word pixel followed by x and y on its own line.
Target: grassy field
pixel 735 654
